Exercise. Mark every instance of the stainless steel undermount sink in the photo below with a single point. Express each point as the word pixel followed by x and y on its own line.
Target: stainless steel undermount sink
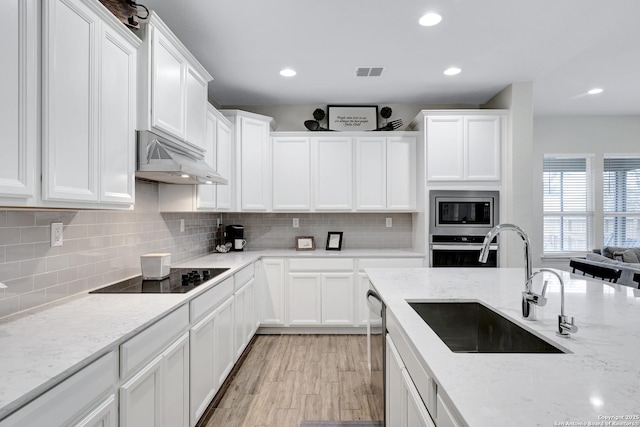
pixel 471 327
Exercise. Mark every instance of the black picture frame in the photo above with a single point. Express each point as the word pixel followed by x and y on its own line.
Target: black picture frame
pixel 352 117
pixel 334 241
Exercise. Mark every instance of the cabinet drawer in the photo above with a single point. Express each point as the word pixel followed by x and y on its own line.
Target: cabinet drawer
pixel 203 304
pixel 243 276
pixel 150 342
pixel 322 264
pixel 72 399
pixel 389 262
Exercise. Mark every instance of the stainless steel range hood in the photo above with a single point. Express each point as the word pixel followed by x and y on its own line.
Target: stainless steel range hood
pixel 163 160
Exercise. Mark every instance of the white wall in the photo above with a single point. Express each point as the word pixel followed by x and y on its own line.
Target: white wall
pixel 578 135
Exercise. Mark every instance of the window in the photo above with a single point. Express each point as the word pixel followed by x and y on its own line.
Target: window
pixel 568 204
pixel 621 201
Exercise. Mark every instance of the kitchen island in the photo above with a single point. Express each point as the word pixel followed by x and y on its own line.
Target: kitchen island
pixel 595 381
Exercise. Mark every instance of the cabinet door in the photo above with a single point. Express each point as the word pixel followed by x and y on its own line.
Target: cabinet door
pixel 203 382
pixel 291 171
pixel 395 394
pixel 239 335
pixel 224 161
pixel 445 148
pixel 401 173
pixel 304 296
pixel 482 150
pixel 117 118
pixel 105 415
pixel 416 412
pixel 223 341
pixel 371 173
pixel 175 368
pixel 249 310
pixel 168 80
pixel 272 291
pixel 18 90
pixel 69 108
pixel 254 164
pixel 206 194
pixel 333 174
pixel 141 397
pixel 337 299
pixel 196 108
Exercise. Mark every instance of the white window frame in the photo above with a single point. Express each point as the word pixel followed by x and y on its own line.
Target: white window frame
pixel 606 213
pixel 589 214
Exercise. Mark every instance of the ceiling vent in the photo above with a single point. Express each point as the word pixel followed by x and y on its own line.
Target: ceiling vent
pixel 369 71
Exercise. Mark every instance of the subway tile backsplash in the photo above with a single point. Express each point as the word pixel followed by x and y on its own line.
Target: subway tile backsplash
pixel 102 247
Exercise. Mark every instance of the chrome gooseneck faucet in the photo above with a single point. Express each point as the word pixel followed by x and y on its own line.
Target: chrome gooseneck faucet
pixel 528 300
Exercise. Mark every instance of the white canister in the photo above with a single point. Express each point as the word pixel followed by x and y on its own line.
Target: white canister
pixel 156 265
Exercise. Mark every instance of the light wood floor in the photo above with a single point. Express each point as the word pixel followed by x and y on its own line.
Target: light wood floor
pixel 286 379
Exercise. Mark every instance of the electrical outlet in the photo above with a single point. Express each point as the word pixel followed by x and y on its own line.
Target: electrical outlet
pixel 56 234
pixel 296 223
pixel 182 225
pixel 389 222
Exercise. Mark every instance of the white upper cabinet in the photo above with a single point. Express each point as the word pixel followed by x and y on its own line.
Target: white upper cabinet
pixel 206 194
pixel 88 106
pixel 291 173
pixel 19 107
pixel 401 173
pixel 252 177
pixel 464 146
pixel 224 161
pixel 371 173
pixel 173 86
pixel 332 161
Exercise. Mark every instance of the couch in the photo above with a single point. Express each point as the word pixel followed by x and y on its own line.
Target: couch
pixel 615 264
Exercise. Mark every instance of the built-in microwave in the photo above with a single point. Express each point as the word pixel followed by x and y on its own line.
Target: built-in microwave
pixel 463 212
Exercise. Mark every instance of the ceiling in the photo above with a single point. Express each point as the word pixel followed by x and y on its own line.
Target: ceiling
pixel 565 47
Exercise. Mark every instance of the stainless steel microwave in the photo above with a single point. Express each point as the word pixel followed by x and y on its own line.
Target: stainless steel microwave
pixel 463 212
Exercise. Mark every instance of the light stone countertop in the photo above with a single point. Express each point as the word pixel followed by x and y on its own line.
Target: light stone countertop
pixel 600 377
pixel 43 346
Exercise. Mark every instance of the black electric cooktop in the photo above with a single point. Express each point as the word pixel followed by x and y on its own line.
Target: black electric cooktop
pixel 179 281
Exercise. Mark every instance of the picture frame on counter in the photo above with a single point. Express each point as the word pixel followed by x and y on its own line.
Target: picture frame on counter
pixel 305 243
pixel 334 241
pixel 352 117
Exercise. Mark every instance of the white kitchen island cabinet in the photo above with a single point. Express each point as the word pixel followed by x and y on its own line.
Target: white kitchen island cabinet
pixel 88 107
pixel 20 102
pixel 173 86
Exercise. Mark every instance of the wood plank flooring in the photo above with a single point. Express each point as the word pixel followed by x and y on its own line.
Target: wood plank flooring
pixel 286 379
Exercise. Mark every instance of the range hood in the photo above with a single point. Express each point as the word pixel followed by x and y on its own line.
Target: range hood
pixel 163 160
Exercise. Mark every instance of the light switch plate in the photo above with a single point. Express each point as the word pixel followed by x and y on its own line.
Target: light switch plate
pixel 182 225
pixel 296 223
pixel 56 234
pixel 389 222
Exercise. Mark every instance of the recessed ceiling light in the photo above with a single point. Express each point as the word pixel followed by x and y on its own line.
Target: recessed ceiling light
pixel 595 91
pixel 430 19
pixel 452 71
pixel 184 175
pixel 208 182
pixel 287 72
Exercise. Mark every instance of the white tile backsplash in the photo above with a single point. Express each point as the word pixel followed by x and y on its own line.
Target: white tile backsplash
pixel 102 247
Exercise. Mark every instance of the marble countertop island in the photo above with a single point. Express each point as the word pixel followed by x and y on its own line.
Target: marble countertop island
pixel 597 381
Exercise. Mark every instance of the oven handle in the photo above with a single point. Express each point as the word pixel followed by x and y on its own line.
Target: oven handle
pixel 468 247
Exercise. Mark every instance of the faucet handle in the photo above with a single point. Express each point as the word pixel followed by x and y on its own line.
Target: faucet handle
pixel 565 327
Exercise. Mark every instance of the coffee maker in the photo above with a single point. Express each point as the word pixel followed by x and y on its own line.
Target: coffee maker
pixel 235 236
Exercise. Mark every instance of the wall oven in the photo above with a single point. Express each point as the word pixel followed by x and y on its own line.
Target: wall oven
pixel 458 222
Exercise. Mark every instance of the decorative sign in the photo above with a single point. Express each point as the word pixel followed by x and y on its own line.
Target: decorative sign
pixel 352 118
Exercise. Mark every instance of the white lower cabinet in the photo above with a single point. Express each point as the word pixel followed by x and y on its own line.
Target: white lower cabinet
pixel 272 291
pixel 244 324
pixel 404 407
pixel 158 394
pixel 304 299
pixel 223 354
pixel 87 398
pixel 337 299
pixel 204 384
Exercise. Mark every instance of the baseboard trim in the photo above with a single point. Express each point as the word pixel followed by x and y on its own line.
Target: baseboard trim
pixel 305 330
